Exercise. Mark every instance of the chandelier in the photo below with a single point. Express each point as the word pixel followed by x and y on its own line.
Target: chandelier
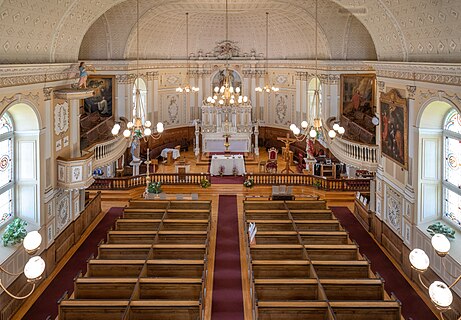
pixel 34 268
pixel 267 87
pixel 138 127
pixel 227 95
pixel 187 88
pixel 439 292
pixel 314 128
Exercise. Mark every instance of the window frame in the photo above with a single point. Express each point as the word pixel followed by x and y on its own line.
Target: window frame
pixel 11 184
pixel 446 185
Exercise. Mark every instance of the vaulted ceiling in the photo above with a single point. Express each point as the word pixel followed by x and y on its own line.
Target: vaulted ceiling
pixel 40 31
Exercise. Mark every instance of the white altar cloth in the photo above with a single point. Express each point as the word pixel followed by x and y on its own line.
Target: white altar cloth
pixel 176 153
pixel 228 163
pixel 214 142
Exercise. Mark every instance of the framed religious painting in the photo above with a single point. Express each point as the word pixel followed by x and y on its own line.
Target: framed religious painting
pixel 102 100
pixel 357 95
pixel 394 127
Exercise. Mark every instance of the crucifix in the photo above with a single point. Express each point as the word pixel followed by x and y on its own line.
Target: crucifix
pixel 287 140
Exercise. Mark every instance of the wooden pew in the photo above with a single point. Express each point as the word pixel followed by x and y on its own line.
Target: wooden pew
pixel 359 269
pixel 332 252
pixel 277 252
pixel 281 269
pixel 312 214
pixel 294 310
pixel 324 237
pixel 185 225
pixel 286 289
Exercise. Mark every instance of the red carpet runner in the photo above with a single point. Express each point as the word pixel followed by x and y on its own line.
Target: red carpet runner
pixel 412 305
pixel 46 304
pixel 227 284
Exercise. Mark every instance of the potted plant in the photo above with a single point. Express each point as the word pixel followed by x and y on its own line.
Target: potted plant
pixel 235 171
pixel 317 184
pixel 15 232
pixel 439 227
pixel 249 183
pixel 205 183
pixel 154 187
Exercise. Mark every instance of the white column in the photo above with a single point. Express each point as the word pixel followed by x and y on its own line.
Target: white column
pixel 304 104
pixel 50 162
pixel 252 93
pixel 334 98
pixel 122 104
pixel 150 97
pixel 156 104
pixel 74 138
pixel 296 117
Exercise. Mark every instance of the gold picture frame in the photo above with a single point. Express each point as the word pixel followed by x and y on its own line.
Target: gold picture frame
pixel 394 127
pixel 357 93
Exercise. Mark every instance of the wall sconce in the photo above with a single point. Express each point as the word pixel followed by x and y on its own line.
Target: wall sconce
pixel 439 292
pixel 34 268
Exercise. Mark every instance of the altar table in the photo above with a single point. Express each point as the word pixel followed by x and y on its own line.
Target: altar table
pixel 228 163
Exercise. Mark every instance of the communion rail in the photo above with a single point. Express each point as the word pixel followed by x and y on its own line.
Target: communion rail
pixel 123 183
pixel 309 180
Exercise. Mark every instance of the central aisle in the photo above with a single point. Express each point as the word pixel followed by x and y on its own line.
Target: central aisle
pixel 227 284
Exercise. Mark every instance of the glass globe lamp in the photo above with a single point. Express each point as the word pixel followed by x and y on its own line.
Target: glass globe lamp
pixel 441 244
pixel 440 295
pixel 34 268
pixel 32 242
pixel 419 260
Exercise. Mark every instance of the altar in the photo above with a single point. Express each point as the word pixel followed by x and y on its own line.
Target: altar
pixel 216 142
pixel 228 165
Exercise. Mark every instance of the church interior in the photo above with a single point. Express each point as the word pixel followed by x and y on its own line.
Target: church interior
pixel 230 159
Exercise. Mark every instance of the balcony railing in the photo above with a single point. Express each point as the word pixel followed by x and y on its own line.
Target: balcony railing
pixel 108 151
pixel 359 155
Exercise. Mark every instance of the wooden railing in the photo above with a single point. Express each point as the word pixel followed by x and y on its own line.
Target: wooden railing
pixel 323 183
pixel 309 180
pixel 123 183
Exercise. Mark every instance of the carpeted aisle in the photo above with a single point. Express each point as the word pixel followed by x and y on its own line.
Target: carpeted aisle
pixel 46 303
pixel 227 284
pixel 412 305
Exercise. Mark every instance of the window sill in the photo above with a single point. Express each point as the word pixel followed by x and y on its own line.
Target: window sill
pixel 455 250
pixel 8 251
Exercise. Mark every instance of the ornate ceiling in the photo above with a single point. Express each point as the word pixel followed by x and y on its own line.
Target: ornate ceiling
pixel 37 31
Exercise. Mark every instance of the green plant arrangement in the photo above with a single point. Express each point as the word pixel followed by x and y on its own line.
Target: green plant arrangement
pixel 15 232
pixel 249 183
pixel 205 183
pixel 439 227
pixel 317 184
pixel 154 187
pixel 235 171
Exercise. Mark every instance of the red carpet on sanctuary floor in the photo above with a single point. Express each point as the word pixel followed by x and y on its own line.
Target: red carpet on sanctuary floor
pixel 46 304
pixel 412 305
pixel 227 180
pixel 227 282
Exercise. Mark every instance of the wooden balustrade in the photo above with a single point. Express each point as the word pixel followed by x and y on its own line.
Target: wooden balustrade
pixel 120 183
pixel 309 180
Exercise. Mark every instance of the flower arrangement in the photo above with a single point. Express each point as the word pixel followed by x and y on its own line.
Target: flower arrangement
pixel 154 187
pixel 249 183
pixel 317 184
pixel 221 170
pixel 15 232
pixel 205 183
pixel 442 229
pixel 235 171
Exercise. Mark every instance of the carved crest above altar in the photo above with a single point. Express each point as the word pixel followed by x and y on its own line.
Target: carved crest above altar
pixel 226 49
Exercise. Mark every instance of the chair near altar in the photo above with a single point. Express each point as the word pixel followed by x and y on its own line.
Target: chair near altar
pixel 271 164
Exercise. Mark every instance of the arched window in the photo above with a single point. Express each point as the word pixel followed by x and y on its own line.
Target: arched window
pixel 6 169
pixel 141 85
pixel 452 168
pixel 313 85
